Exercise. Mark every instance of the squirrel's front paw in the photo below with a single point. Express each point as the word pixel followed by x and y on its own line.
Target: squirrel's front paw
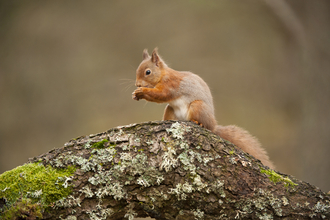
pixel 137 94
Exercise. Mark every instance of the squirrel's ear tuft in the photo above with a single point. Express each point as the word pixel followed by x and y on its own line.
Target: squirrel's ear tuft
pixel 146 54
pixel 155 58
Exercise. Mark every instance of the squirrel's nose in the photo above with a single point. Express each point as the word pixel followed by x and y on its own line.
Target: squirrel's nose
pixel 137 84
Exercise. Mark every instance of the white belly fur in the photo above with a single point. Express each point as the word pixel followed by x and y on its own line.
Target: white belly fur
pixel 180 106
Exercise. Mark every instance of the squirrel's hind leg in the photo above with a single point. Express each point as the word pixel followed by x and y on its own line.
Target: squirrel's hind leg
pixel 169 113
pixel 200 113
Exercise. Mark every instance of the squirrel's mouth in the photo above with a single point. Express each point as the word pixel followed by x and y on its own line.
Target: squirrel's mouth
pixel 147 86
pixel 143 85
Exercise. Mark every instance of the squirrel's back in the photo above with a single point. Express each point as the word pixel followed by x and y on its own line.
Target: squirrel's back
pixel 195 88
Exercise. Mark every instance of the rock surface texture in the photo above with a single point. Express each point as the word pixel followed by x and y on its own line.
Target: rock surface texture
pixel 165 170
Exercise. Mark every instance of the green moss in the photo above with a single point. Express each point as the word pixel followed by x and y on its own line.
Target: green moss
pixel 100 144
pixel 23 209
pixel 34 183
pixel 275 178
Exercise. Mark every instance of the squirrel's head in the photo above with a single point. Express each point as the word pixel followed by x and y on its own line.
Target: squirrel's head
pixel 150 71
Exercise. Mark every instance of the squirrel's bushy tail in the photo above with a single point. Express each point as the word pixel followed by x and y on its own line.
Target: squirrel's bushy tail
pixel 244 140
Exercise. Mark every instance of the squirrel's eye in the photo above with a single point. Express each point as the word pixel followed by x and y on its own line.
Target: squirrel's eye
pixel 148 72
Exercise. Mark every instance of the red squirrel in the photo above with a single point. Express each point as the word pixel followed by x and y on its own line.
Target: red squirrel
pixel 189 98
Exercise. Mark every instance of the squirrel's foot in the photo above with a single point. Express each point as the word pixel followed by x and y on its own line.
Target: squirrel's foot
pixel 200 124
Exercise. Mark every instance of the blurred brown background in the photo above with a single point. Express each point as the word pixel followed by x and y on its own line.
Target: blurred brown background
pixel 67 68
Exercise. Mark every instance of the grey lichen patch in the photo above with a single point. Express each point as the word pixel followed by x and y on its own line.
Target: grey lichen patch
pixel 100 213
pixel 322 208
pixel 267 198
pixel 198 214
pixel 68 202
pixel 218 187
pixel 285 201
pixel 88 144
pixel 264 216
pixel 70 217
pixel 130 214
pixel 87 191
pixel 93 163
pixel 111 189
pixel 232 160
pixel 178 130
pixel 181 190
pixel 169 159
pixel 262 202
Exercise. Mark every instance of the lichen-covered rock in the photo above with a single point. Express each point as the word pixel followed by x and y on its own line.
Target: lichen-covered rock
pixel 165 170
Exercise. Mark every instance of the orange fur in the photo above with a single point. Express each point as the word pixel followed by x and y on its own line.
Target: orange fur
pixel 169 113
pixel 244 140
pixel 196 113
pixel 189 98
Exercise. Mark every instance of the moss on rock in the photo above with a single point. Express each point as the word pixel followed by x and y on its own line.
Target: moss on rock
pixel 33 187
pixel 275 178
